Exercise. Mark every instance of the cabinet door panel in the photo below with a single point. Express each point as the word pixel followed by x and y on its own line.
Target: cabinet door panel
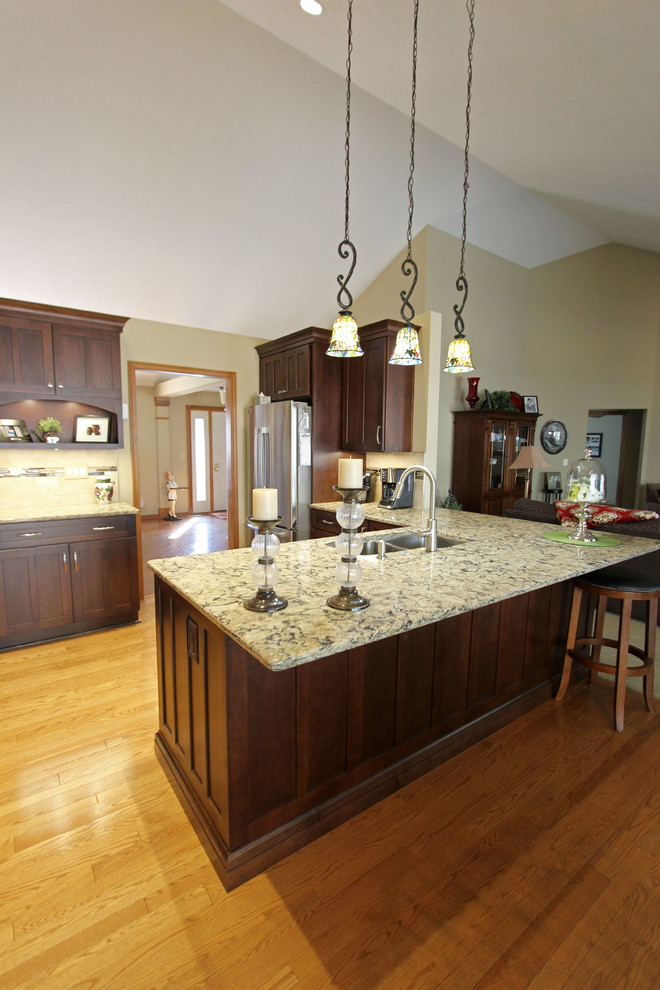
pixel 364 391
pixel 104 578
pixel 86 362
pixel 35 590
pixel 26 357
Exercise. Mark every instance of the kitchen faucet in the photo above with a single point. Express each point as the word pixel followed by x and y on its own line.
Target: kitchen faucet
pixel 431 531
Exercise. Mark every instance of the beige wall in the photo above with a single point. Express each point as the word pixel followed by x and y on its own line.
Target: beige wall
pixel 166 344
pixel 581 333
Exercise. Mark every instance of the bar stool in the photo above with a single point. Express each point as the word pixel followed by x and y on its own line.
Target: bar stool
pixel 623 583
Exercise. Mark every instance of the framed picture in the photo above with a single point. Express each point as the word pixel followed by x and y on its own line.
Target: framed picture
pixel 91 429
pixel 553 481
pixel 531 403
pixel 594 443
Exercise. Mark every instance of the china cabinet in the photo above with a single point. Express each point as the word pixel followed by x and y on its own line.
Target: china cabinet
pixel 486 442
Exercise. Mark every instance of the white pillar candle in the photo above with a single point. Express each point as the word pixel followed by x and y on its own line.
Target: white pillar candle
pixel 264 503
pixel 350 472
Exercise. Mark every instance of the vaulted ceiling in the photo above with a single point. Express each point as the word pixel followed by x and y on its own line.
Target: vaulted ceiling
pixel 183 161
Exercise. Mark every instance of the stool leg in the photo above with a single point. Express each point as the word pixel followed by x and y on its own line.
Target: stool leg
pixel 570 643
pixel 599 625
pixel 649 649
pixel 622 664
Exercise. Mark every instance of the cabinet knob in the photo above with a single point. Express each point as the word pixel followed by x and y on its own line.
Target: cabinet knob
pixel 60 386
pixel 49 384
pixel 64 562
pixel 281 391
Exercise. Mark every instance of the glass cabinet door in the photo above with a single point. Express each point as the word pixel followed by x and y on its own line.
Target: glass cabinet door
pixel 496 455
pixel 522 438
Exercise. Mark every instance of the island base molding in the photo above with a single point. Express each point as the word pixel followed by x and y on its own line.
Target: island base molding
pixel 264 762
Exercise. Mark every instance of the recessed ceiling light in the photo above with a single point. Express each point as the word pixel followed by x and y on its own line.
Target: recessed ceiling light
pixel 311 6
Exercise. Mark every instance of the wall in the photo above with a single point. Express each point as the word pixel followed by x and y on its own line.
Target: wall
pixel 161 344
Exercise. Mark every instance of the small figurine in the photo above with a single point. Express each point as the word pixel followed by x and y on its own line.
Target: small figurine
pixel 171 496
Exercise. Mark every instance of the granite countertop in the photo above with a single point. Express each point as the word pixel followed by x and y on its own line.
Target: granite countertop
pixel 496 558
pixel 47 512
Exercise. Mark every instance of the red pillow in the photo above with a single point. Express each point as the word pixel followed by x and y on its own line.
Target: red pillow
pixel 599 515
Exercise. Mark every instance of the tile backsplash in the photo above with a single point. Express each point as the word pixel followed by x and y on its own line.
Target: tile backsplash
pixel 58 478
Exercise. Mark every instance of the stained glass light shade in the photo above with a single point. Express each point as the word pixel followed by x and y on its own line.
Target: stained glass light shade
pixel 459 359
pixel 345 341
pixel 406 348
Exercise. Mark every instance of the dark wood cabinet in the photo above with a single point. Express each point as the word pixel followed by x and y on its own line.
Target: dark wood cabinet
pixel 50 354
pixel 377 397
pixel 486 442
pixel 62 577
pixel 287 372
pixel 297 367
pixel 26 356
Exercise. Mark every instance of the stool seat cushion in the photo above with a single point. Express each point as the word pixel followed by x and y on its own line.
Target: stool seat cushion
pixel 623 577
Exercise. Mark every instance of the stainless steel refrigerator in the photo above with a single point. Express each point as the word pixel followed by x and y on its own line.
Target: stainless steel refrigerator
pixel 280 456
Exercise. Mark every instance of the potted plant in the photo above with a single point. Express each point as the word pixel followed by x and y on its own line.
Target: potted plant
pixel 49 429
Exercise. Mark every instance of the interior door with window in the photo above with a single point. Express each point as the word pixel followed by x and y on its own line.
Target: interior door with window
pixel 200 456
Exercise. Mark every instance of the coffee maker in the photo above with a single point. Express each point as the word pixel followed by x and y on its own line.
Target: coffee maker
pixel 388 480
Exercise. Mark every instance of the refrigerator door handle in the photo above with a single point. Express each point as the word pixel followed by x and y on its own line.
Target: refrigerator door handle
pixel 262 456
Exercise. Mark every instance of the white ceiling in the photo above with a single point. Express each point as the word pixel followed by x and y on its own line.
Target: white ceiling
pixel 566 93
pixel 183 160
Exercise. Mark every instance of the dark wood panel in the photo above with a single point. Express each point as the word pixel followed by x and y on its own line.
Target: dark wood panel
pixel 372 712
pixel 271 735
pixel 104 578
pixel 452 667
pixel 483 654
pixel 26 357
pixel 35 591
pixel 416 662
pixel 536 640
pixel 322 721
pixel 511 645
pixel 215 730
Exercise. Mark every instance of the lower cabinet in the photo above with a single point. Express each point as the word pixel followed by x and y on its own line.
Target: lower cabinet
pixel 65 586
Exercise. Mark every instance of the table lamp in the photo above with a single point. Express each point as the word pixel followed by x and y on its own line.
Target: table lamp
pixel 527 459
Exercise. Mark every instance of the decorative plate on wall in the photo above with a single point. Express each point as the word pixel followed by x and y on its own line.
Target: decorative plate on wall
pixel 553 436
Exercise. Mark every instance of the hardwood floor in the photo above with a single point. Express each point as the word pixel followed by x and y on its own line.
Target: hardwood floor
pixel 199 533
pixel 529 862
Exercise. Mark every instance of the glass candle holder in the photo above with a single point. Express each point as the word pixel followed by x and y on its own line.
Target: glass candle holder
pixel 350 516
pixel 265 573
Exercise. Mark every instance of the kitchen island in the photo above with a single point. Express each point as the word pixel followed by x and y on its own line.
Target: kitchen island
pixel 275 728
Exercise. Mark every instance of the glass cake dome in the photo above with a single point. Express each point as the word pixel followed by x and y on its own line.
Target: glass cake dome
pixel 586 483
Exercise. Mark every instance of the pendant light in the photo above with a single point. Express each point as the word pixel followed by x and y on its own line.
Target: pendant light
pixel 459 360
pixel 345 342
pixel 406 348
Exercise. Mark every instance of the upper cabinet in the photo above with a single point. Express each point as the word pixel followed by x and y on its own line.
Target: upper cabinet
pixel 61 354
pixel 285 368
pixel 486 442
pixel 377 406
pixel 51 354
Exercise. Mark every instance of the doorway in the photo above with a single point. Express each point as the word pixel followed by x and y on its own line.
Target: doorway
pixel 619 434
pixel 174 380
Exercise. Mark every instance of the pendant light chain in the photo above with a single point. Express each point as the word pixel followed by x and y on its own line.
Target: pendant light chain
pixel 345 339
pixel 411 203
pixel 466 174
pixel 406 348
pixel 347 248
pixel 347 143
pixel 408 266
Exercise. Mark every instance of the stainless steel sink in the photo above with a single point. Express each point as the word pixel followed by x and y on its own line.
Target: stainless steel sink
pixel 403 541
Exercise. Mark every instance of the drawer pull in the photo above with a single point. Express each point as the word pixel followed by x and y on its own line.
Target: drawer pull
pixel 28 534
pixel 64 562
pixel 75 561
pixel 378 434
pixel 329 522
pixel 98 529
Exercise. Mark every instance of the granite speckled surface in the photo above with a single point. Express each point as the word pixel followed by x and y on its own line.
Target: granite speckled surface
pixel 496 558
pixel 46 512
